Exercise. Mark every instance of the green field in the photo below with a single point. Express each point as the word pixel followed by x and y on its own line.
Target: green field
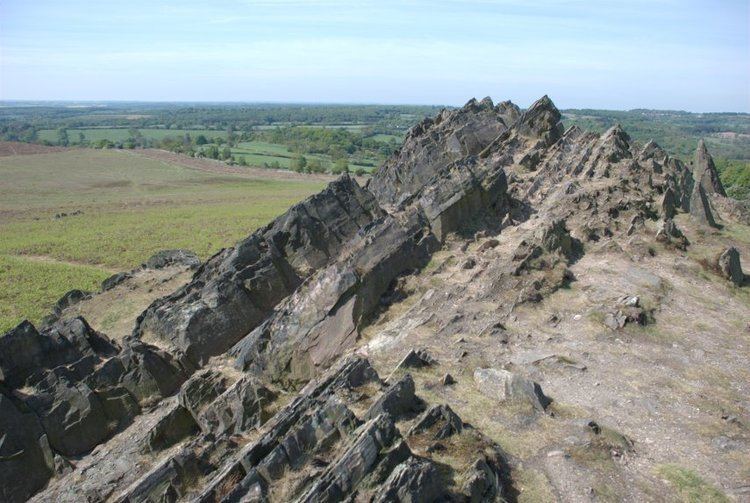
pixel 259 153
pixel 122 134
pixel 132 207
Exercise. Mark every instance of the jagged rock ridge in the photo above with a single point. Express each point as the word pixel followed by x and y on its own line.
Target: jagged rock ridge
pixel 278 314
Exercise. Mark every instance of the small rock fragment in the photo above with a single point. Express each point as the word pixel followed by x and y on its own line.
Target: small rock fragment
pixel 504 385
pixel 447 380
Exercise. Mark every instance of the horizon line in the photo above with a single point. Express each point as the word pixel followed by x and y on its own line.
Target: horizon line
pixel 323 103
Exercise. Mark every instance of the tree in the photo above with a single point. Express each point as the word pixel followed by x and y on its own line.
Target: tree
pixel 226 153
pixel 360 172
pixel 342 166
pixel 62 137
pixel 201 140
pixel 81 139
pixel 212 152
pixel 242 161
pixel 315 166
pixel 299 163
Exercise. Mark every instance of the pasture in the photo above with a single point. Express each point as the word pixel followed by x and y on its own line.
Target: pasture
pixel 121 134
pixel 130 207
pixel 260 153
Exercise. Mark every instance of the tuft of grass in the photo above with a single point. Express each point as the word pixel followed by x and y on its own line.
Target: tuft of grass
pixel 533 486
pixel 690 487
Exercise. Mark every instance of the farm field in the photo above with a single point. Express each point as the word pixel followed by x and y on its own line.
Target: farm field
pixel 131 206
pixel 260 153
pixel 122 134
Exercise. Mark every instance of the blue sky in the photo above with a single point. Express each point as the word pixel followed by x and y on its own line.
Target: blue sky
pixel 623 54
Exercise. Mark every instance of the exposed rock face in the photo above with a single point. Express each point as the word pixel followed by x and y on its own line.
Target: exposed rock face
pixel 236 289
pixel 26 460
pixel 321 320
pixel 730 267
pixel 705 173
pixel 433 145
pixel 246 379
pixel 700 207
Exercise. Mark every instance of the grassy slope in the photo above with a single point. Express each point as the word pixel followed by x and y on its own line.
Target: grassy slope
pixel 131 207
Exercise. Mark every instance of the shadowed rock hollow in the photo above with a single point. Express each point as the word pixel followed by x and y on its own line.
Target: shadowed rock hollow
pixel 506 311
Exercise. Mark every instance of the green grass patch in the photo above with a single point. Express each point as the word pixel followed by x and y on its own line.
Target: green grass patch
pixel 690 487
pixel 132 207
pixel 29 288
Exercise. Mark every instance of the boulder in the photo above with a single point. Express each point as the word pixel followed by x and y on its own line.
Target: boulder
pixel 668 233
pixel 413 481
pixel 169 258
pixel 482 482
pixel 730 267
pixel 503 385
pixel 668 204
pixel 115 280
pixel 440 421
pixel 397 400
pixel 416 358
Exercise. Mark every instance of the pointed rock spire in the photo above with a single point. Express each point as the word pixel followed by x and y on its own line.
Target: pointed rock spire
pixel 541 120
pixel 700 208
pixel 705 172
pixel 668 204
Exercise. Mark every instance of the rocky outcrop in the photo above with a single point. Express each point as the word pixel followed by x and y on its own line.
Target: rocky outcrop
pixel 271 405
pixel 705 172
pixel 700 207
pixel 68 388
pixel 730 267
pixel 434 145
pixel 317 449
pixel 234 291
pixel 321 320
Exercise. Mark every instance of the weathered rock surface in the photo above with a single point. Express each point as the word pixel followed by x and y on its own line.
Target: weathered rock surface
pixel 434 145
pixel 26 460
pixel 730 267
pixel 244 380
pixel 234 291
pixel 503 385
pixel 705 173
